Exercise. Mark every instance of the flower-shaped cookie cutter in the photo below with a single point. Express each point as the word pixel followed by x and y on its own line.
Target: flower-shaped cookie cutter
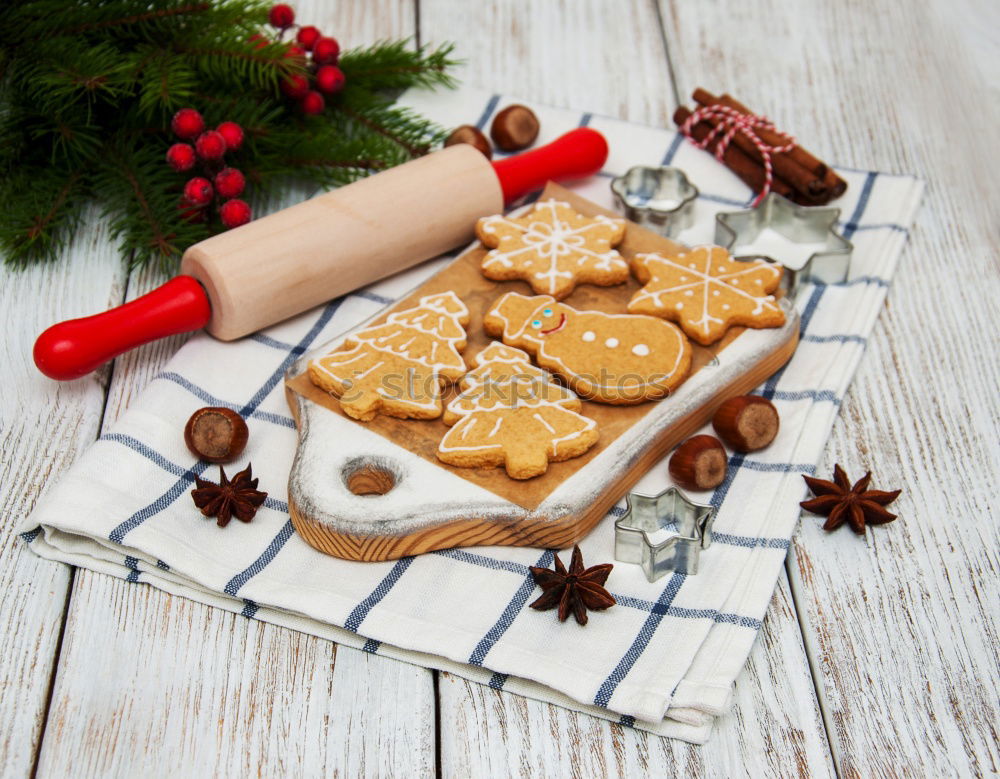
pixel 799 224
pixel 670 511
pixel 661 199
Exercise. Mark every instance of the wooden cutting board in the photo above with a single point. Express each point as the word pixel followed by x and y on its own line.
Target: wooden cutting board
pixel 376 490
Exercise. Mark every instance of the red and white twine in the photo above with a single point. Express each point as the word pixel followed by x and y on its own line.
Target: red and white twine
pixel 731 122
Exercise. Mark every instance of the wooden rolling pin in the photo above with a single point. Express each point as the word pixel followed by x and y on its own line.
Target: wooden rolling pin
pixel 280 265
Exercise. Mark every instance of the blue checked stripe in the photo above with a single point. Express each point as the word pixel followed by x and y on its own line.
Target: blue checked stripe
pixel 274 343
pixel 363 609
pixel 827 396
pixel 839 338
pixel 676 611
pixel 118 534
pixel 249 609
pixel 671 152
pixel 508 615
pixel 31 535
pixel 205 396
pixel 170 467
pixel 132 564
pixel 371 646
pixel 483 560
pixel 373 296
pixel 261 562
pixel 866 192
pixel 497 681
pixel 750 541
pixel 640 642
pixel 491 106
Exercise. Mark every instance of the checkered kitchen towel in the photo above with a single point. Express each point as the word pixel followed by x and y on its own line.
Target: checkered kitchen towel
pixel 664 659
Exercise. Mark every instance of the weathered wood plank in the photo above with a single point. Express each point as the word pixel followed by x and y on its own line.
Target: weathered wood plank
pixel 774 728
pixel 44 428
pixel 901 626
pixel 587 54
pixel 608 58
pixel 155 683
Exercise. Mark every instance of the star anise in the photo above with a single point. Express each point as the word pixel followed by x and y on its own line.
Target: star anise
pixel 238 497
pixel 575 590
pixel 838 501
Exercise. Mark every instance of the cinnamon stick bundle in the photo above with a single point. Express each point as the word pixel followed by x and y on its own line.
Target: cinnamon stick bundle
pixel 798 175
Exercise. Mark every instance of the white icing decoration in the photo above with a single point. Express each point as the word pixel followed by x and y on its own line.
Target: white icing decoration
pixel 439 316
pixel 703 282
pixel 611 343
pixel 640 350
pixel 553 242
pixel 504 382
pixel 588 336
pixel 544 356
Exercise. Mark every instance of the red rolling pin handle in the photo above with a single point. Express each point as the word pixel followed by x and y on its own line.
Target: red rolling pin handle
pixel 72 349
pixel 577 154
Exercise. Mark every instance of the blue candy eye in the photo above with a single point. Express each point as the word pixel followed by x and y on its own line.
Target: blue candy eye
pixel 536 324
pixel 547 312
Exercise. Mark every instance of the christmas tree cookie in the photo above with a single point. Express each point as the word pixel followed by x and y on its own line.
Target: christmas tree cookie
pixel 398 368
pixel 706 292
pixel 553 248
pixel 511 413
pixel 611 358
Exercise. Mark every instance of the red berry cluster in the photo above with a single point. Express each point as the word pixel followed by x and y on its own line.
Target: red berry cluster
pixel 210 146
pixel 323 77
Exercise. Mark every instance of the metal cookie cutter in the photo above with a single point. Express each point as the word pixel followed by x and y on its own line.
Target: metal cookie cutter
pixel 661 199
pixel 800 224
pixel 669 511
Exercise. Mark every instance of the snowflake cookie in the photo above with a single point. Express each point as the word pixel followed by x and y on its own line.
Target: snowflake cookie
pixel 398 368
pixel 553 248
pixel 610 358
pixel 706 292
pixel 511 413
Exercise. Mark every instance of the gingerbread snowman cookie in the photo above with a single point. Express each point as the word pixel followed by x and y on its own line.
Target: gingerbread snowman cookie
pixel 511 413
pixel 553 248
pixel 620 359
pixel 706 292
pixel 398 368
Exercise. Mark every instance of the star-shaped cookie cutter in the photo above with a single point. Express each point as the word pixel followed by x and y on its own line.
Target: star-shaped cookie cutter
pixel 661 199
pixel 799 224
pixel 671 510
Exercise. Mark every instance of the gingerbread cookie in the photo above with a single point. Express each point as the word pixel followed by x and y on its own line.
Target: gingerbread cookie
pixel 398 368
pixel 611 358
pixel 706 292
pixel 553 248
pixel 511 413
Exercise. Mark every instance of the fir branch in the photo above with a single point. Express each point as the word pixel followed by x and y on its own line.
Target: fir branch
pixel 159 14
pixel 391 65
pixel 86 95
pixel 240 64
pixel 39 211
pixel 142 201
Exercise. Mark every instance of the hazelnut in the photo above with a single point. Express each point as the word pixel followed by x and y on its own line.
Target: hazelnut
pixel 514 128
pixel 472 136
pixel 699 463
pixel 747 422
pixel 216 435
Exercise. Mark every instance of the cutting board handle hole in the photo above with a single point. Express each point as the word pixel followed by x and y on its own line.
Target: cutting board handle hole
pixel 365 476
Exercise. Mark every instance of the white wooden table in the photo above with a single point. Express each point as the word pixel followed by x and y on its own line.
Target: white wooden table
pixel 878 656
